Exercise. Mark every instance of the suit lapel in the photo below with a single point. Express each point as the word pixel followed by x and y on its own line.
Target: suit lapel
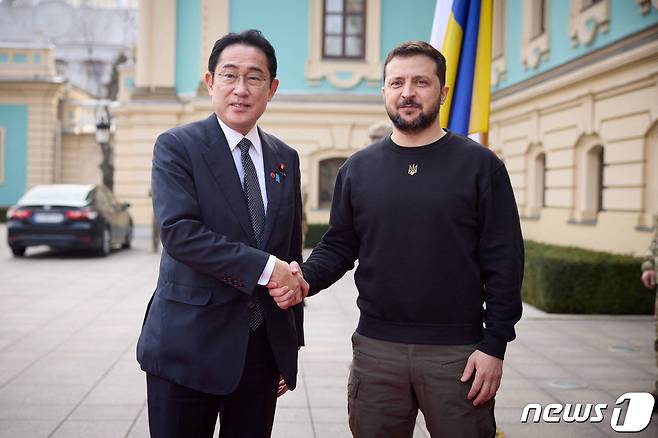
pixel 271 161
pixel 220 162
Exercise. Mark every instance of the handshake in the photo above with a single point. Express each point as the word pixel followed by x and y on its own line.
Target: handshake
pixel 287 285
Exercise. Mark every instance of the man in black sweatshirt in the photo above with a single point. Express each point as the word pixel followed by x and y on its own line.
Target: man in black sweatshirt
pixel 432 219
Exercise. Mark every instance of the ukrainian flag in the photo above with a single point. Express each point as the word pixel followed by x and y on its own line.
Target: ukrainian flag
pixel 462 32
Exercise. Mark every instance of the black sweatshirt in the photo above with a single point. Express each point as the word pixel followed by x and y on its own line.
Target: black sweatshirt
pixel 436 231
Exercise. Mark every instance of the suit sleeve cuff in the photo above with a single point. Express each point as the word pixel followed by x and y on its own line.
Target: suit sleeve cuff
pixel 493 347
pixel 267 272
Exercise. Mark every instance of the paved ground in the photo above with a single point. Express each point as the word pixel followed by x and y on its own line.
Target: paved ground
pixel 69 323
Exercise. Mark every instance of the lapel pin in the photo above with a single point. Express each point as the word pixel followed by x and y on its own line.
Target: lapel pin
pixel 279 174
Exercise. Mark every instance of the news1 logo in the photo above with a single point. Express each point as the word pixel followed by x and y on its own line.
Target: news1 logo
pixel 638 412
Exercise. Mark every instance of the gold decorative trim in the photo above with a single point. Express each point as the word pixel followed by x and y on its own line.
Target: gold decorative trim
pixel 586 21
pixel 344 74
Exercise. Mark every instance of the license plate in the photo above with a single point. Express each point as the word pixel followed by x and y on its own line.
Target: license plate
pixel 48 218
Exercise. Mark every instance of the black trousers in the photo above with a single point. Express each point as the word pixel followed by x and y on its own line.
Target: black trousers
pixel 176 411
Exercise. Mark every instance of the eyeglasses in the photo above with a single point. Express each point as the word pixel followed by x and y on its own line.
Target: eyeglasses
pixel 252 79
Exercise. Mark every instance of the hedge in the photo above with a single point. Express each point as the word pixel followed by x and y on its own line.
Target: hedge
pixel 562 279
pixel 3 214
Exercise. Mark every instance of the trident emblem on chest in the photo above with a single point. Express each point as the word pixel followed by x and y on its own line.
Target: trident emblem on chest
pixel 413 169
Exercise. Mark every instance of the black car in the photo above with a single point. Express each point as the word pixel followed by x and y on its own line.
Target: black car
pixel 69 216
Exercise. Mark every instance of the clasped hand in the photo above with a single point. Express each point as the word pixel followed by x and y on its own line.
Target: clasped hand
pixel 287 285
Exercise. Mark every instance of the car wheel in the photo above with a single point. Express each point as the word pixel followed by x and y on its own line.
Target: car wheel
pixel 106 244
pixel 129 238
pixel 18 251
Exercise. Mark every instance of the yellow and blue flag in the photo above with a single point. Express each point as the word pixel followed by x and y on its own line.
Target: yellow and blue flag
pixel 462 31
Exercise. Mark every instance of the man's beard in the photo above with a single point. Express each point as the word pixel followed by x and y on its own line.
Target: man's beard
pixel 420 123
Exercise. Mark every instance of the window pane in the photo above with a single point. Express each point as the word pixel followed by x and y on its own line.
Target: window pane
pixel 353 46
pixel 332 46
pixel 333 24
pixel 355 5
pixel 354 25
pixel 328 172
pixel 333 5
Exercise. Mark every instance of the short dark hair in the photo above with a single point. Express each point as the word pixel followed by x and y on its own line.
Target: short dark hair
pixel 411 48
pixel 251 37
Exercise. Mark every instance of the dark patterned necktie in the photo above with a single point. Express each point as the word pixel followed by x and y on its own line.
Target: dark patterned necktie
pixel 256 216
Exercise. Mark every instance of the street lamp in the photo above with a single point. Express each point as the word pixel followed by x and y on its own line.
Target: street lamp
pixel 102 131
pixel 103 125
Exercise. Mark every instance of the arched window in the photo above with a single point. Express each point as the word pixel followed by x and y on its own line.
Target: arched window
pixel 535 181
pixel 540 180
pixel 650 177
pixel 595 179
pixel 327 180
pixel 590 189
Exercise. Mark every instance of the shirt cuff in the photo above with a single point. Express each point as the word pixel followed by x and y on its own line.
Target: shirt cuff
pixel 267 272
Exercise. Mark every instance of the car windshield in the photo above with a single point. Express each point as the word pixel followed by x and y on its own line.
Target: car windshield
pixel 76 195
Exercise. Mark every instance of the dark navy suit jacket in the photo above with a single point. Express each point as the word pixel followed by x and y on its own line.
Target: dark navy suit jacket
pixel 196 327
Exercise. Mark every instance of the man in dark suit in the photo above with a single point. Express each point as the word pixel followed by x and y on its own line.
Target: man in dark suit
pixel 228 206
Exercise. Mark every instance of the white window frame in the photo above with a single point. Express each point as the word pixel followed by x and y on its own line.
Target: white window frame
pixel 499 63
pixel 534 45
pixel 344 73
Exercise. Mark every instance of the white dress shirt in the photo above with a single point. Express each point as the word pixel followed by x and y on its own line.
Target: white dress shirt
pixel 233 137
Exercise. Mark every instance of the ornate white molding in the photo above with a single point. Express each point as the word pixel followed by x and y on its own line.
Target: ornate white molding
pixel 534 45
pixel 344 73
pixel 645 5
pixel 586 22
pixel 498 70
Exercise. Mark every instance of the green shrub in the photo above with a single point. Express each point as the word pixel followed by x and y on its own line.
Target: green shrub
pixel 3 214
pixel 314 234
pixel 562 279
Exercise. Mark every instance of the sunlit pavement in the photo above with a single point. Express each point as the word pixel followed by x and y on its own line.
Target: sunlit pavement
pixel 69 323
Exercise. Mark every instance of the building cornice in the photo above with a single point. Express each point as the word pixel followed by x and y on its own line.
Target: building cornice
pixel 643 44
